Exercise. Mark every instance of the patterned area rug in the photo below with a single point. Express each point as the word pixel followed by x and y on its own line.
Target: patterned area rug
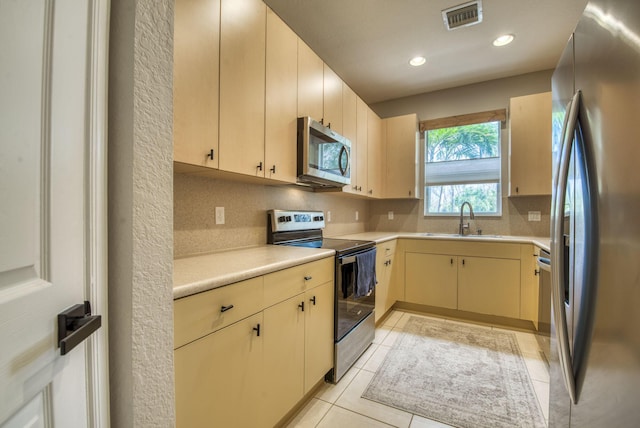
pixel 464 376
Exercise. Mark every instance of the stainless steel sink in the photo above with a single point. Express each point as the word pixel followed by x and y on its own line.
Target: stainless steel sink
pixel 455 235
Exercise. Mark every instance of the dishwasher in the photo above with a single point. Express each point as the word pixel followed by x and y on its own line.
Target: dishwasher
pixel 544 302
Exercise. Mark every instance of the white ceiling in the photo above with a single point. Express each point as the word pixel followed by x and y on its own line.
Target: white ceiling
pixel 369 42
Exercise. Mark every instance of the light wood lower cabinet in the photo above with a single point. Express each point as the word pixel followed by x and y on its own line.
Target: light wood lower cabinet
pixel 385 296
pixel 219 378
pixel 432 279
pixel 479 277
pixel 318 338
pixel 284 337
pixel 489 286
pixel 249 369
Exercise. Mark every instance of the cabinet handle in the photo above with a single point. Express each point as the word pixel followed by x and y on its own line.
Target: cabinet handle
pixel 462 262
pixel 359 188
pixel 313 300
pixel 257 329
pixel 517 189
pixel 259 167
pixel 355 188
pixel 273 169
pixel 301 306
pixel 536 272
pixel 210 155
pixel 308 278
pixel 226 308
pixel 409 192
pixel 452 261
pixel 371 191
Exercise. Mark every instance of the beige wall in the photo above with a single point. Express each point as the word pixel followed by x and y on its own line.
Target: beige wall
pixel 495 94
pixel 246 205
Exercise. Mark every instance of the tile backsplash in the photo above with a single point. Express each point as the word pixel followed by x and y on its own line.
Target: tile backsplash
pixel 245 204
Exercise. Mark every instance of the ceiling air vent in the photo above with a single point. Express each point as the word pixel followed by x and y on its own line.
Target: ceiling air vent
pixel 463 15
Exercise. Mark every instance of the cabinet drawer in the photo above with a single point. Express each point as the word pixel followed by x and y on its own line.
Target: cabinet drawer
pixel 198 315
pixel 387 248
pixel 281 285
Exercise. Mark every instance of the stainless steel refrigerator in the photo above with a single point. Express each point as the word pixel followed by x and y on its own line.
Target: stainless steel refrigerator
pixel 595 231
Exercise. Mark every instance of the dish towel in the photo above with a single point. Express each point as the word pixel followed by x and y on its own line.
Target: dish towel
pixel 365 273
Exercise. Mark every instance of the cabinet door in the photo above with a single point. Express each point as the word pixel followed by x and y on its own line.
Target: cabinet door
pixel 374 151
pixel 283 357
pixel 529 283
pixel 401 141
pixel 310 82
pixel 281 100
pixel 195 81
pixel 489 286
pixel 219 378
pixel 350 131
pixel 332 92
pixel 382 287
pixel 242 86
pixel 530 145
pixel 431 279
pixel 318 337
pixel 362 122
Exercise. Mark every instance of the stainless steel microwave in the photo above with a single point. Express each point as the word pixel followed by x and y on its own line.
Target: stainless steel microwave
pixel 324 156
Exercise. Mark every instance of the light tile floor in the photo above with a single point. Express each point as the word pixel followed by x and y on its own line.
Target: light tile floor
pixel 341 405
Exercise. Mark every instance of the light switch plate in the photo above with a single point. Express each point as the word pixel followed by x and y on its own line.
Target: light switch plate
pixel 219 215
pixel 534 215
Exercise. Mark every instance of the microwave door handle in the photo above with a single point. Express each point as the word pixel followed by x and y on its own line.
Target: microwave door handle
pixel 345 151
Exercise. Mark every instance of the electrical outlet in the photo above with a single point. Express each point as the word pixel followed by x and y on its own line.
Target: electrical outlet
pixel 328 216
pixel 219 215
pixel 390 215
pixel 534 215
pixel 357 215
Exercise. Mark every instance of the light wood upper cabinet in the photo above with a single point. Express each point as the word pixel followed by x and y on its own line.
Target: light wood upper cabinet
pixel 310 82
pixel 281 100
pixel 401 141
pixel 362 149
pixel 332 96
pixel 195 82
pixel 530 145
pixel 375 149
pixel 350 131
pixel 242 86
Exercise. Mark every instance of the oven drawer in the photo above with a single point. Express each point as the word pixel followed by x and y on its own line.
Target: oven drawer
pixel 281 285
pixel 200 314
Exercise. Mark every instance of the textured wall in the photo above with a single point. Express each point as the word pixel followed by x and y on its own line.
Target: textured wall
pixel 195 199
pixel 140 214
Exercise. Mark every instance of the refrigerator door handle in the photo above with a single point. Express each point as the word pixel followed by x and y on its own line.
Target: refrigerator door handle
pixel 557 244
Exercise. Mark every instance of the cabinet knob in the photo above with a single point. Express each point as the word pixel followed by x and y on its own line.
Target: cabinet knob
pixel 257 330
pixel 301 306
pixel 462 262
pixel 259 167
pixel 226 308
pixel 273 169
pixel 536 272
pixel 371 191
pixel 517 189
pixel 313 300
pixel 359 188
pixel 210 155
pixel 308 278
pixel 452 261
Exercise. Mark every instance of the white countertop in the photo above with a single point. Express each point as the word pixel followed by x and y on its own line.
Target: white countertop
pixel 199 273
pixel 379 237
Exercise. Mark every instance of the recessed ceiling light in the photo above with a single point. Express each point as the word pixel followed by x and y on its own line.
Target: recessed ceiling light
pixel 417 61
pixel 505 39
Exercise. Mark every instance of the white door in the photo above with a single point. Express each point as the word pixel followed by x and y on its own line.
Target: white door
pixel 52 165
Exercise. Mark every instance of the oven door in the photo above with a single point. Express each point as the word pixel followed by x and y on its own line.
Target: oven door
pixel 350 310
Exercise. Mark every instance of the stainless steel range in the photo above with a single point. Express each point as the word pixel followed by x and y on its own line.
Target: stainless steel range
pixel 354 324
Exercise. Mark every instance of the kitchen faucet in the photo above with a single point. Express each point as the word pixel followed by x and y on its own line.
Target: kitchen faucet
pixel 471 216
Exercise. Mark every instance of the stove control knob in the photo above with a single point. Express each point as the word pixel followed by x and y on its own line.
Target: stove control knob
pixel 288 218
pixel 282 219
pixel 318 218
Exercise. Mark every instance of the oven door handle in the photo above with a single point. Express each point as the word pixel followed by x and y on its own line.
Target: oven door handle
pixel 347 260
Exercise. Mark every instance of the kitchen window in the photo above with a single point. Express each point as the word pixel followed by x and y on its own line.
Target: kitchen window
pixel 462 163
